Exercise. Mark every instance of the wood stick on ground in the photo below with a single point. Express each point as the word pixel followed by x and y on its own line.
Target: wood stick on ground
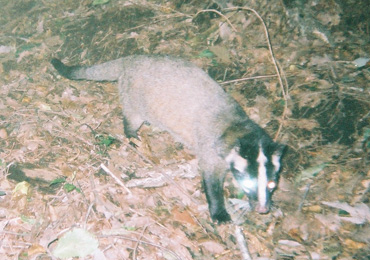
pixel 242 243
pixel 105 168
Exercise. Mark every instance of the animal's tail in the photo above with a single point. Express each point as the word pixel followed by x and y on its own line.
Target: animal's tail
pixel 108 71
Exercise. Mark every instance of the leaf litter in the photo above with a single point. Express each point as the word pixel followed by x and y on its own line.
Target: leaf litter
pixel 55 134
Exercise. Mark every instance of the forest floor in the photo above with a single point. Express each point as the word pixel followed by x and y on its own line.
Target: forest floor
pixel 66 168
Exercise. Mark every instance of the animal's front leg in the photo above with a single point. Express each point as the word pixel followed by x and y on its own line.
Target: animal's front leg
pixel 213 187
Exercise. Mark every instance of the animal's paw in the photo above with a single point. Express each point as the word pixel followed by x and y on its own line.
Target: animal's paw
pixel 221 217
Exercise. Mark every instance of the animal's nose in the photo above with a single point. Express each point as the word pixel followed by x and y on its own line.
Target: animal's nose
pixel 262 209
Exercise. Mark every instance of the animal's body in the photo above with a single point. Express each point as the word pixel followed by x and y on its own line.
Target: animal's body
pixel 182 99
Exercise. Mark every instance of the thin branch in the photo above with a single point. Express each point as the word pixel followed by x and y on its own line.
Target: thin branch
pixel 284 92
pixel 307 189
pixel 242 243
pixel 247 78
pixel 139 241
pixel 220 14
pixel 115 178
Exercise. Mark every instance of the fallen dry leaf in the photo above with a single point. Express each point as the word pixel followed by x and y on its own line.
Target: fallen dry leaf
pixel 182 216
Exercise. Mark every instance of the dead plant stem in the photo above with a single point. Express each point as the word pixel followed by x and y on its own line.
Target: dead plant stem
pixel 242 243
pixel 219 13
pixel 248 78
pixel 115 178
pixel 283 90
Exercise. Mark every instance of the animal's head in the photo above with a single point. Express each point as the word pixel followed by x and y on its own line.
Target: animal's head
pixel 255 164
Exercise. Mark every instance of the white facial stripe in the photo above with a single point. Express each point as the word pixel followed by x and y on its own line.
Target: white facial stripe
pixel 240 163
pixel 262 178
pixel 230 157
pixel 276 162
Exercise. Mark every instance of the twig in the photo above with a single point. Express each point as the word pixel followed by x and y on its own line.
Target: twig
pixel 138 242
pixel 88 214
pixel 308 186
pixel 242 243
pixel 142 156
pixel 267 40
pixel 284 92
pixel 286 96
pixel 115 178
pixel 220 14
pixel 248 78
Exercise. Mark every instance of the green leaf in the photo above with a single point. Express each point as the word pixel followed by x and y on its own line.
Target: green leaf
pixel 100 2
pixel 130 228
pixel 68 187
pixel 76 243
pixel 240 194
pixel 105 140
pixel 108 141
pixel 28 220
pixel 366 137
pixel 207 54
pixel 57 181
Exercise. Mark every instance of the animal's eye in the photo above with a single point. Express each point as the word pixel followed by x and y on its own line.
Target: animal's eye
pixel 271 185
pixel 248 185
